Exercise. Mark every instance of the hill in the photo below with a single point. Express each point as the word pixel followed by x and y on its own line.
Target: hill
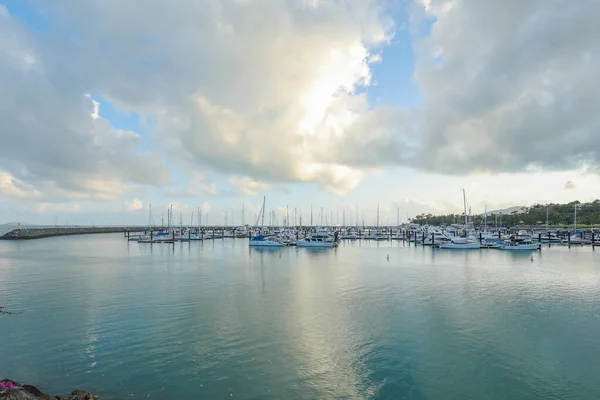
pixel 558 214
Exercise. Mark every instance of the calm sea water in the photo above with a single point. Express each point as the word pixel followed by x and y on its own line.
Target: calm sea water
pixel 217 320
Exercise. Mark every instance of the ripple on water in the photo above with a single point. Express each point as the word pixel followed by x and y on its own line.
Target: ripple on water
pixel 216 320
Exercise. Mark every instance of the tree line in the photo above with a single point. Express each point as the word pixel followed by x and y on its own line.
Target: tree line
pixel 558 215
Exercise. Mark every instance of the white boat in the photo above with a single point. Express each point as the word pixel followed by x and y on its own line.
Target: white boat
pixel 468 242
pixel 522 235
pixel 350 236
pixel 464 243
pixel 576 239
pixel 266 241
pixel 520 245
pixel 321 238
pixel 550 238
pixel 436 238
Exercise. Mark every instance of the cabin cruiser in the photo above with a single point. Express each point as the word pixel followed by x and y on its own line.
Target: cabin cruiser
pixel 490 241
pixel 577 239
pixel 266 241
pixel 465 243
pixel 550 238
pixel 522 244
pixel 352 235
pixel 436 238
pixel 321 238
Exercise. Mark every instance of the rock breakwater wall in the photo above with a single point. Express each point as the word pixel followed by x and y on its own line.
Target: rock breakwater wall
pixel 38 233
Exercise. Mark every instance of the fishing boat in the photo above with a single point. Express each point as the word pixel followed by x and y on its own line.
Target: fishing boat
pixel 321 238
pixel 520 245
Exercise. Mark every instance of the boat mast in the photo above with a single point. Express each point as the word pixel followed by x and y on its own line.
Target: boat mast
pixel 485 219
pixel 377 215
pixel 547 216
pixel 575 220
pixel 263 212
pixel 465 206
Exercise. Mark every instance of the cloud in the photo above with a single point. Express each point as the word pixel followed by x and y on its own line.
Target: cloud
pixel 247 185
pixel 14 188
pixel 508 85
pixel 244 88
pixel 53 135
pixel 570 185
pixel 134 205
pixel 267 93
pixel 53 208
pixel 197 186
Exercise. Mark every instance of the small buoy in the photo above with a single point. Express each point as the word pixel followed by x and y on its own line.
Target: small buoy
pixel 531 258
pixel 279 255
pixel 388 257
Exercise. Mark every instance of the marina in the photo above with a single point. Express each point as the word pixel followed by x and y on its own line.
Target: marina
pixel 442 237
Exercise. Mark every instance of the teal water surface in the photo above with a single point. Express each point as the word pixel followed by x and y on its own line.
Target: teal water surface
pixel 217 320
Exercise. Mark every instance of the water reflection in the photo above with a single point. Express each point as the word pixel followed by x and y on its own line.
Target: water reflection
pixel 212 320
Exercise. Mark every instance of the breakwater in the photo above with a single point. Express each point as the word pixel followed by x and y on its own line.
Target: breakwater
pixel 38 233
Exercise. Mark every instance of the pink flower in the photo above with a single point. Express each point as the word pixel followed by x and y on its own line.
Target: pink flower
pixel 9 385
pixel 2 385
pixel 1 307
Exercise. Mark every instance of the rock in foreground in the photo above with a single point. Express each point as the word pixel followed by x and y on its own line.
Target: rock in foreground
pixel 14 390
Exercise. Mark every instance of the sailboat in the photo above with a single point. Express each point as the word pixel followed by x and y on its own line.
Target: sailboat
pixel 576 238
pixel 263 239
pixel 463 243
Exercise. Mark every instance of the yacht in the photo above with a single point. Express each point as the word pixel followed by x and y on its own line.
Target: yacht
pixel 321 238
pixel 524 244
pixel 491 241
pixel 436 238
pixel 468 242
pixel 352 235
pixel 577 239
pixel 457 243
pixel 266 241
pixel 550 238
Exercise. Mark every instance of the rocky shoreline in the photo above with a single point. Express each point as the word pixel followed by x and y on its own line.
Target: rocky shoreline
pixel 10 389
pixel 38 233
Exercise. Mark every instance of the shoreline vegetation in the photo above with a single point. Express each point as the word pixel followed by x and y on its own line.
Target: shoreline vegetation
pixel 557 216
pixel 10 389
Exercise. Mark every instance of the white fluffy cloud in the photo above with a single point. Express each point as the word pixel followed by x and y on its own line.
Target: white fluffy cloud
pixel 53 135
pixel 247 185
pixel 260 89
pixel 509 85
pixel 271 92
pixel 134 205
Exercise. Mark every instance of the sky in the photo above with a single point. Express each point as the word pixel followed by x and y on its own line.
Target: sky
pixel 110 109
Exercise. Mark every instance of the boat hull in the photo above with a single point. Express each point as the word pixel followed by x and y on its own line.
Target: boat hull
pixel 265 243
pixel 528 247
pixel 301 243
pixel 460 246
